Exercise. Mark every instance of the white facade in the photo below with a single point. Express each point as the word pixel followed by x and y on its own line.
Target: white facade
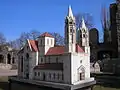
pixel 66 64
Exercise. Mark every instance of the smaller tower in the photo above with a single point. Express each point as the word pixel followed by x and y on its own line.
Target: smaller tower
pixel 45 42
pixel 84 37
pixel 70 32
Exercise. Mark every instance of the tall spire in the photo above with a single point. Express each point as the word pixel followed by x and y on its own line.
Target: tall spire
pixel 83 23
pixel 70 14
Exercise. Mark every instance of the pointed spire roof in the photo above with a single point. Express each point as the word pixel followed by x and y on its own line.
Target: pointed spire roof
pixel 70 14
pixel 83 23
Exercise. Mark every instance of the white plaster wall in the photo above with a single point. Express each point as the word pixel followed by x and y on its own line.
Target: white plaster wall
pixel 50 44
pixel 76 63
pixel 51 59
pixel 47 72
pixel 44 47
pixel 67 68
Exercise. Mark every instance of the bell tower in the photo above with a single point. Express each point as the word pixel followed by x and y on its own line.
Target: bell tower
pixel 84 37
pixel 70 32
pixel 84 34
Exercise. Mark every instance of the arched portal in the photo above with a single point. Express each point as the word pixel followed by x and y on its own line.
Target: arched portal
pixel 9 59
pixel 1 59
pixel 81 73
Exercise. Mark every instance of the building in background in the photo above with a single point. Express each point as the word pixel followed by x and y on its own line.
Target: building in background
pixel 8 57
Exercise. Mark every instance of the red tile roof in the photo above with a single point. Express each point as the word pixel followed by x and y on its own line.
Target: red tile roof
pixel 34 45
pixel 46 34
pixel 56 50
pixel 51 66
pixel 79 49
pixel 61 49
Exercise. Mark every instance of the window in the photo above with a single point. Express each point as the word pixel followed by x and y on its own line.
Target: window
pixel 41 59
pixel 49 75
pixel 38 73
pixel 27 56
pixel 41 42
pixel 22 64
pixel 35 74
pixel 51 41
pixel 49 59
pixel 56 59
pixel 58 76
pixel 47 41
pixel 54 75
pixel 62 77
pixel 84 35
pixel 80 61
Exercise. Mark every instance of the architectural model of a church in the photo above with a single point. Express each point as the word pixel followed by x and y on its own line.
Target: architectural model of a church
pixel 42 60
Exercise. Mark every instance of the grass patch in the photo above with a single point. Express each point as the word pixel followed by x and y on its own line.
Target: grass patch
pixel 3 79
pixel 97 87
pixel 4 83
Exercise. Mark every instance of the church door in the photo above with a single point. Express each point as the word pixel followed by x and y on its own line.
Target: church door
pixel 82 76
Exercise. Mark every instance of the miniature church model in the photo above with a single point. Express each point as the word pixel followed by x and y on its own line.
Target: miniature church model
pixel 41 60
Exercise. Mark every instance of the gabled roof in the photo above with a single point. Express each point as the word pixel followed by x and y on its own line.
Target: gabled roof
pixel 46 34
pixel 56 50
pixel 79 49
pixel 34 45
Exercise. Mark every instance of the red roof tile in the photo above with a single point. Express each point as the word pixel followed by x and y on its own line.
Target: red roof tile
pixel 34 45
pixel 56 50
pixel 78 48
pixel 61 49
pixel 46 34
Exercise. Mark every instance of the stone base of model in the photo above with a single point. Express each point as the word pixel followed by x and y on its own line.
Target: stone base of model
pixel 78 85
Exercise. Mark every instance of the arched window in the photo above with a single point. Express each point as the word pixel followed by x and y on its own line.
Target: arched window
pixel 54 75
pixel 51 41
pixel 13 60
pixel 81 73
pixel 41 41
pixel 41 60
pixel 38 73
pixel 47 41
pixel 1 58
pixel 56 59
pixel 27 56
pixel 22 64
pixel 9 59
pixel 49 75
pixel 35 73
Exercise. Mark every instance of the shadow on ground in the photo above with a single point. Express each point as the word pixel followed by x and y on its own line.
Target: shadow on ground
pixel 4 85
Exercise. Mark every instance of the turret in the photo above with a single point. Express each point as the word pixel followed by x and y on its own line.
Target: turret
pixel 70 32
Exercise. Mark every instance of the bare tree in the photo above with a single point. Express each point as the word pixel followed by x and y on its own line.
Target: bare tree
pixel 88 20
pixel 105 21
pixel 2 38
pixel 22 40
pixel 59 40
pixel 34 34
